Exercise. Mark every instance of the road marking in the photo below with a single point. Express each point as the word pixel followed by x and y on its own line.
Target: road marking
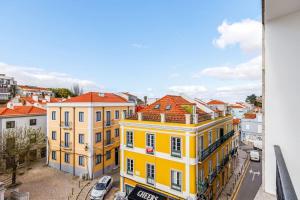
pixel 254 173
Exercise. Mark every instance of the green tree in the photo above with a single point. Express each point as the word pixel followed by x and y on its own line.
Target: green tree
pixel 62 92
pixel 17 143
pixel 251 99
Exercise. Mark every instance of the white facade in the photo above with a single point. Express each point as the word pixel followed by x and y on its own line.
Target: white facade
pixel 238 112
pixel 7 87
pixel 251 129
pixel 281 92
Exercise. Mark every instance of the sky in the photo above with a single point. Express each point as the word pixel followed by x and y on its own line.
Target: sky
pixel 204 49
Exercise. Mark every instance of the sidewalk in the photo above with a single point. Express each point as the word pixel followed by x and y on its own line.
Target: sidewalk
pixel 230 187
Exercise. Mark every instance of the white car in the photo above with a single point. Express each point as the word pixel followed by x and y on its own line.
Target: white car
pixel 254 155
pixel 101 188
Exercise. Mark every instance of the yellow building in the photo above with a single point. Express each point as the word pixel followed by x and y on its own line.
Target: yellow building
pixel 175 150
pixel 83 133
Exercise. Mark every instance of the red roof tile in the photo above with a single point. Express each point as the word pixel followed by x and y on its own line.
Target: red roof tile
pixel 95 97
pixel 236 121
pixel 250 116
pixel 22 110
pixel 214 102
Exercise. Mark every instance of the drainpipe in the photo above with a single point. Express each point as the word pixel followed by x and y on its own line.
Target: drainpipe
pixel 103 140
pixel 60 138
pixel 74 139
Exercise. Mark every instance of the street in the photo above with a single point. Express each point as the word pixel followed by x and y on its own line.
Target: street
pixel 251 182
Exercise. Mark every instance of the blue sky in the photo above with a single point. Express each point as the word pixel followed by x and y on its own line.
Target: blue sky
pixel 145 47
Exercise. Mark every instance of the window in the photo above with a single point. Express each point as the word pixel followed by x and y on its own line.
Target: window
pixel 67 158
pixel 125 113
pixel 130 112
pixel 117 114
pixel 150 143
pixel 128 189
pixel 32 122
pixel 98 137
pixel 98 116
pixel 129 139
pixel 81 116
pixel 66 118
pixel 53 155
pixel 53 115
pixel 10 124
pixel 176 146
pixel 117 132
pixel 67 139
pixel 176 180
pixel 157 106
pixel 108 119
pixel 168 107
pixel 209 138
pixel 108 155
pixel 108 138
pixel 218 164
pixel 53 135
pixel 129 166
pixel 217 134
pixel 80 160
pixel 98 158
pixel 150 174
pixel 80 138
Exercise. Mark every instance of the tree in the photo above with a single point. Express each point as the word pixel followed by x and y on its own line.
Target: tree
pixel 76 90
pixel 251 99
pixel 17 143
pixel 61 92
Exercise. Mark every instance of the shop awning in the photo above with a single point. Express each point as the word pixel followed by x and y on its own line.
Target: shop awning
pixel 141 193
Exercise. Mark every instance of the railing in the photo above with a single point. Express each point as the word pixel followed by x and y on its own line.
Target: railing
pixel 150 180
pixel 66 145
pixel 176 153
pixel 109 142
pixel 66 124
pixel 212 176
pixel 284 186
pixel 150 150
pixel 110 123
pixel 202 186
pixel 206 152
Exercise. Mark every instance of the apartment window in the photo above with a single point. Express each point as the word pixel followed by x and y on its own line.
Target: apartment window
pixel 67 158
pixel 117 114
pixel 150 142
pixel 209 138
pixel 117 132
pixel 98 137
pixel 80 138
pixel 129 139
pixel 150 174
pixel 81 116
pixel 108 155
pixel 98 116
pixel 176 178
pixel 218 164
pixel 98 158
pixel 66 118
pixel 53 115
pixel 10 124
pixel 176 146
pixel 53 153
pixel 67 139
pixel 80 160
pixel 125 113
pixel 108 118
pixel 217 134
pixel 32 122
pixel 53 135
pixel 129 166
pixel 108 137
pixel 130 112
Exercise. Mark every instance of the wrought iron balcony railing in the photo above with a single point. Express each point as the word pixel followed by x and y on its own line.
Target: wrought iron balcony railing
pixel 284 186
pixel 203 186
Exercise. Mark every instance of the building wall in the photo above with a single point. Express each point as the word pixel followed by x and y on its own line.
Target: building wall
pixel 251 129
pixel 282 97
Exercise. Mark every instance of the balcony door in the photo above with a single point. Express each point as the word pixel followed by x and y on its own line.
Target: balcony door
pixel 108 118
pixel 67 139
pixel 66 118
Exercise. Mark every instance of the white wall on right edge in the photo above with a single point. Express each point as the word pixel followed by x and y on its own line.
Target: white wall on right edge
pixel 282 97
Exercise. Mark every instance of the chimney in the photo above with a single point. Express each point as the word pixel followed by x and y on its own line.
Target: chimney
pixel 187 118
pixel 162 117
pixel 35 98
pixel 140 117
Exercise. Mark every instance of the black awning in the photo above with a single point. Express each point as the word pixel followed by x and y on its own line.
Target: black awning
pixel 141 193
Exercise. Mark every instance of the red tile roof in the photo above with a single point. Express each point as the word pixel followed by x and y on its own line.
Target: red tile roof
pixel 236 106
pixel 27 87
pixel 95 97
pixel 21 111
pixel 236 121
pixel 215 102
pixel 250 116
pixel 41 101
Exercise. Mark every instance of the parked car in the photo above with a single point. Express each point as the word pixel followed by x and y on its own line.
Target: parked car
pixel 254 155
pixel 101 188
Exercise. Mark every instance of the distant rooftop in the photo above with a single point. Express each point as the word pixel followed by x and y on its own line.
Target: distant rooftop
pixel 97 97
pixel 21 111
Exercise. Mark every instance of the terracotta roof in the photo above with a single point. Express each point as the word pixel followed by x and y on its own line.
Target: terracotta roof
pixel 236 121
pixel 95 97
pixel 169 104
pixel 21 111
pixel 236 106
pixel 41 101
pixel 214 102
pixel 250 116
pixel 27 87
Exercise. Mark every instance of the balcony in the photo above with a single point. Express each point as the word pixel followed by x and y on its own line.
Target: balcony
pixel 202 187
pixel 66 145
pixel 66 125
pixel 212 176
pixel 150 180
pixel 176 154
pixel 109 141
pixel 206 152
pixel 150 150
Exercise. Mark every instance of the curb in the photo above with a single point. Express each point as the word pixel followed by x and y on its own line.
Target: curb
pixel 237 188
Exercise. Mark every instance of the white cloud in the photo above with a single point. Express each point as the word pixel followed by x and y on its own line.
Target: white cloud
pixel 174 75
pixel 246 33
pixel 187 89
pixel 139 46
pixel 40 77
pixel 251 70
